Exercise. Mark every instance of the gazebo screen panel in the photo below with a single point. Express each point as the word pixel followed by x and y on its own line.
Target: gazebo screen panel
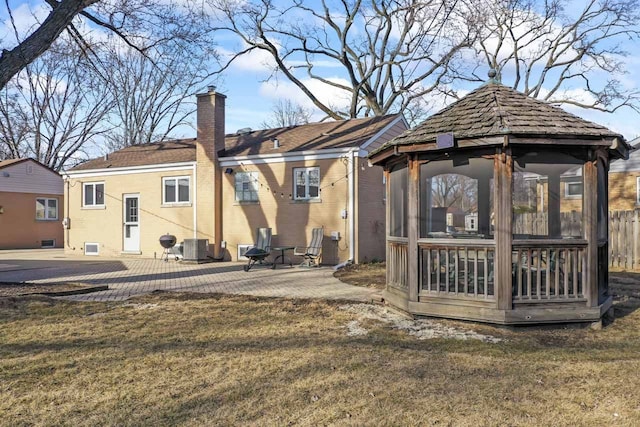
pixel 398 182
pixel 456 198
pixel 547 196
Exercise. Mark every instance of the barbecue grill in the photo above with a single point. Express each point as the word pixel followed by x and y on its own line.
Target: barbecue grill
pixel 167 241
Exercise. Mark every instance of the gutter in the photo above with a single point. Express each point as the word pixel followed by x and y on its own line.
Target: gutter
pixel 352 204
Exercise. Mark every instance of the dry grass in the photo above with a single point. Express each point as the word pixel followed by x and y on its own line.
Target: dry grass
pixel 201 360
pixel 371 275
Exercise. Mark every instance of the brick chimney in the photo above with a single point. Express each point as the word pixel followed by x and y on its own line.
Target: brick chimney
pixel 210 141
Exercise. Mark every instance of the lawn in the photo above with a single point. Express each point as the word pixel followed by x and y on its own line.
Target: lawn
pixel 168 359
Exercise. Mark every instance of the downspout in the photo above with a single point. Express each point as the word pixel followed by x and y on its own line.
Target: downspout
pixel 68 213
pixel 352 204
pixel 195 201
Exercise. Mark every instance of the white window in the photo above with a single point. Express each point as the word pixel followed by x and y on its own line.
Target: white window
pixel 93 194
pixel 306 183
pixel 573 190
pixel 46 209
pixel 176 190
pixel 91 248
pixel 246 184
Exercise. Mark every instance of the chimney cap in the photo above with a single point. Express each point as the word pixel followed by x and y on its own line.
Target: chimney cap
pixel 211 88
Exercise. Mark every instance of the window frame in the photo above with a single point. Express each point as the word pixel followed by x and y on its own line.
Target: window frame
pixel 84 192
pixel 568 195
pixel 306 196
pixel 253 178
pixel 46 209
pixel 177 190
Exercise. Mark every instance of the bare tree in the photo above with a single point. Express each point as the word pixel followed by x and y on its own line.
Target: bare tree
pixel 140 24
pixel 391 52
pixel 287 113
pixel 153 96
pixel 52 108
pixel 547 51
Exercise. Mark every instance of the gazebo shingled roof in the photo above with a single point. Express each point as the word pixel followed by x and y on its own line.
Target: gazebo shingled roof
pixel 494 110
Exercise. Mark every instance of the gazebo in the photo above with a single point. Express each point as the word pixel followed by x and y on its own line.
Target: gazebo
pixel 497 212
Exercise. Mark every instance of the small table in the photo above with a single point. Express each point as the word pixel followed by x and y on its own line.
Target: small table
pixel 282 255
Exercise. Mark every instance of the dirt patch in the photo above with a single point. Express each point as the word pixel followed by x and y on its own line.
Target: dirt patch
pixel 17 289
pixel 370 275
pixel 422 329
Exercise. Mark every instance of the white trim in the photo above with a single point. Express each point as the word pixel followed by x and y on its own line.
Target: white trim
pixel 177 202
pixel 572 196
pixel 294 156
pixel 638 190
pixel 104 195
pixel 381 132
pixel 253 178
pixel 131 170
pixel 195 200
pixel 46 209
pixel 352 204
pixel 96 253
pixel 306 185
pixel 53 243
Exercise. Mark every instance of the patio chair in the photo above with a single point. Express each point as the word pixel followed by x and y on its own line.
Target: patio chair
pixel 260 250
pixel 313 252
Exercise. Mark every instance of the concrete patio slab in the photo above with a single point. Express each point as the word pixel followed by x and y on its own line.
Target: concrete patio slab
pixel 127 277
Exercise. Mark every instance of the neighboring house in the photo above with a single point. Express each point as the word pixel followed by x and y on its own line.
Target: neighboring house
pixel 222 188
pixel 624 181
pixel 31 200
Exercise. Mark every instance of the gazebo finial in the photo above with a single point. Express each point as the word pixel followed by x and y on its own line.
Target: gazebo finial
pixel 493 76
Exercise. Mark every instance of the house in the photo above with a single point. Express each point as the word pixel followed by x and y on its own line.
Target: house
pixel 624 181
pixel 31 200
pixel 222 188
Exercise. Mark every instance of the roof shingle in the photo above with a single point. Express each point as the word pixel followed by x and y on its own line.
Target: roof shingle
pixel 494 109
pixel 313 136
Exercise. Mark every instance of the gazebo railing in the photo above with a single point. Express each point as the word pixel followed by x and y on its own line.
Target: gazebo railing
pixel 549 270
pixel 398 263
pixel 455 268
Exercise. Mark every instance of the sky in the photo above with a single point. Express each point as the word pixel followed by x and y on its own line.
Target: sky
pixel 251 95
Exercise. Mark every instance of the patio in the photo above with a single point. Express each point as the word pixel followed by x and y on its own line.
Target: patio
pixel 127 277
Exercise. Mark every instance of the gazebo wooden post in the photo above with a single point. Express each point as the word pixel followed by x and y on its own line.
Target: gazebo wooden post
pixel 590 217
pixel 387 219
pixel 413 211
pixel 503 166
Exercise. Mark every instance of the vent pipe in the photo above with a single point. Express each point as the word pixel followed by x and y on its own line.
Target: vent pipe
pixel 276 143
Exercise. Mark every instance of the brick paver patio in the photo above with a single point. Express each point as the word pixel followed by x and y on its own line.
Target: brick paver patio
pixel 127 277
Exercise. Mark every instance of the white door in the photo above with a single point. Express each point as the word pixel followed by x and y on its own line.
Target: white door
pixel 131 223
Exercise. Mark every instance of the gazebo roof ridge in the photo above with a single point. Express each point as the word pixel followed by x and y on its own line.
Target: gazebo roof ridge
pixel 494 109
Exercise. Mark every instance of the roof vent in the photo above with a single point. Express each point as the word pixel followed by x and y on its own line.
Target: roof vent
pixel 243 131
pixel 106 157
pixel 276 143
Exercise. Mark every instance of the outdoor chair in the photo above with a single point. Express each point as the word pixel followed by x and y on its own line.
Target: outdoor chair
pixel 260 250
pixel 313 252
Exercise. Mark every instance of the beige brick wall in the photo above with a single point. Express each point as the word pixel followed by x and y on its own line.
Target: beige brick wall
pixel 290 220
pixel 18 224
pixel 104 226
pixel 623 191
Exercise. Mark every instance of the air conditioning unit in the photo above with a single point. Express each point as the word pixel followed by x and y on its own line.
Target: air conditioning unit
pixel 195 249
pixel 242 249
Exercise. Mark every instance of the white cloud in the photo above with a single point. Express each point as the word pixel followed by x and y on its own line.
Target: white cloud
pixel 26 18
pixel 327 94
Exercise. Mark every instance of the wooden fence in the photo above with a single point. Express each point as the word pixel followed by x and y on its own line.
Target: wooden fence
pixel 624 239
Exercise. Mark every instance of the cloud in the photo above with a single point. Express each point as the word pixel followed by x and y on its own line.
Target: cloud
pixel 26 19
pixel 329 95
